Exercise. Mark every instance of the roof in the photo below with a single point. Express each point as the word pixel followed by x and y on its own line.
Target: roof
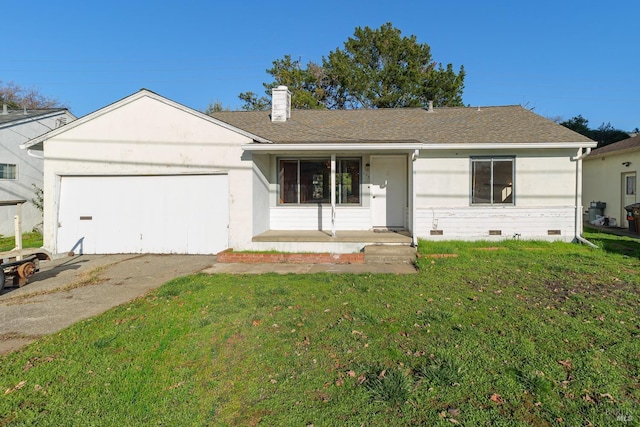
pixel 625 144
pixel 20 115
pixel 458 125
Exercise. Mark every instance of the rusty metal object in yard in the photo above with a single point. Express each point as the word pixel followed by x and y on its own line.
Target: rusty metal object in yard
pixel 17 272
pixel 27 270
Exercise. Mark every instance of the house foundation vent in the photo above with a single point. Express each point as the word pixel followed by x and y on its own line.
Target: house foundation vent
pixel 554 233
pixel 435 232
pixel 495 232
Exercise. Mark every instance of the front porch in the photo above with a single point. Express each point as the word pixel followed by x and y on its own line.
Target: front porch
pixel 318 246
pixel 398 237
pixel 321 241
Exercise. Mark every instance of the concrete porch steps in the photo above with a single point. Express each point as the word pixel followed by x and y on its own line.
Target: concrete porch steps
pixel 389 254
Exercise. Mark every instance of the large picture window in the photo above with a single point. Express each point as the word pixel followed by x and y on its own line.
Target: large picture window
pixel 492 181
pixel 303 181
pixel 7 171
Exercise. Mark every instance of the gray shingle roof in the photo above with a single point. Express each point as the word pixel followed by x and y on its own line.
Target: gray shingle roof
pixel 19 114
pixel 625 144
pixel 508 124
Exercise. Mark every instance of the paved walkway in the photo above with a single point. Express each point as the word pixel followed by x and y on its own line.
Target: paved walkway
pixel 71 289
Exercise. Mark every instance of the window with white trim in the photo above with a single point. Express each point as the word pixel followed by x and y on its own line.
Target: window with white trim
pixel 8 171
pixel 492 180
pixel 308 181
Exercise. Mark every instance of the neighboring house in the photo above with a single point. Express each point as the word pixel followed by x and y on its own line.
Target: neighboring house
pixel 20 171
pixel 611 176
pixel 146 174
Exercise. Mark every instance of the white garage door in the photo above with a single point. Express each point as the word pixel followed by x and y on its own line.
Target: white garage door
pixel 182 214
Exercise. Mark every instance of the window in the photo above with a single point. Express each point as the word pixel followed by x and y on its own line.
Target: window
pixel 7 171
pixel 309 181
pixel 492 181
pixel 631 185
pixel 347 181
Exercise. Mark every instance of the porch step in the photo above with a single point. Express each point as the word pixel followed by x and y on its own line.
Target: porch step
pixel 389 254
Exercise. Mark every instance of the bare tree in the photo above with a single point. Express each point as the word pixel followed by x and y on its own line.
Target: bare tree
pixel 16 96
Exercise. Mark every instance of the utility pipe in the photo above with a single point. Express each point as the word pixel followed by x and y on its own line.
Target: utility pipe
pixel 32 154
pixel 578 224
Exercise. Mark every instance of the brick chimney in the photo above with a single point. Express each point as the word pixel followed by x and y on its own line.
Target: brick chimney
pixel 280 104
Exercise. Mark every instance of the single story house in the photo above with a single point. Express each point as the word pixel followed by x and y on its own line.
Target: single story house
pixel 20 170
pixel 146 174
pixel 611 175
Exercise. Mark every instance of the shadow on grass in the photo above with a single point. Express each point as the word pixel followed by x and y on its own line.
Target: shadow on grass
pixel 615 244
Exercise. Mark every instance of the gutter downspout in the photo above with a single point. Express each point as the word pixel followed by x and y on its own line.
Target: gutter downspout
pixel 414 237
pixel 32 154
pixel 578 225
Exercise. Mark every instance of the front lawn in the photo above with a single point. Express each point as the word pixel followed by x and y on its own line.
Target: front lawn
pixel 29 240
pixel 516 333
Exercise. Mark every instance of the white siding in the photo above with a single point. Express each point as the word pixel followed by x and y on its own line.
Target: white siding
pixel 314 218
pixel 474 223
pixel 29 169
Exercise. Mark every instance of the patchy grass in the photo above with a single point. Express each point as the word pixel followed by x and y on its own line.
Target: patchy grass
pixel 532 334
pixel 29 240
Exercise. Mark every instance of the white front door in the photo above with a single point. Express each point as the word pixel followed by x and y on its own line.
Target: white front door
pixel 388 191
pixel 629 195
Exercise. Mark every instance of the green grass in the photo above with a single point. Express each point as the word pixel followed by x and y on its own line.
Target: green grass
pixel 531 334
pixel 615 244
pixel 29 240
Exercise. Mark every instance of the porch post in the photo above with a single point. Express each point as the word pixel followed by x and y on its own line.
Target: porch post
pixel 333 195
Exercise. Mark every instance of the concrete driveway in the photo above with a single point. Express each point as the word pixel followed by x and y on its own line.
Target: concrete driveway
pixel 71 289
pixel 67 290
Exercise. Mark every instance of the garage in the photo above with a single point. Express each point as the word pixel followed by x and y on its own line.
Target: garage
pixel 180 214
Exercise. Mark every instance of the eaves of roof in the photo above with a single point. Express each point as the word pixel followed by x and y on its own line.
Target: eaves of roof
pixel 620 147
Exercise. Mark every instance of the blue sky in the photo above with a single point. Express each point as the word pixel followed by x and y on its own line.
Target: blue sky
pixel 559 58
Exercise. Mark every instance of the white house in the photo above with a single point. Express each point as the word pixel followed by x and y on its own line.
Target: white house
pixel 20 171
pixel 610 176
pixel 146 174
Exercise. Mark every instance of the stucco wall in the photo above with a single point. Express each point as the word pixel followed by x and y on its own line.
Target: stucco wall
pixel 262 191
pixel 603 182
pixel 149 136
pixel 545 183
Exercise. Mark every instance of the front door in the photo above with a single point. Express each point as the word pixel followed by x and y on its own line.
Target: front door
pixel 388 191
pixel 629 192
